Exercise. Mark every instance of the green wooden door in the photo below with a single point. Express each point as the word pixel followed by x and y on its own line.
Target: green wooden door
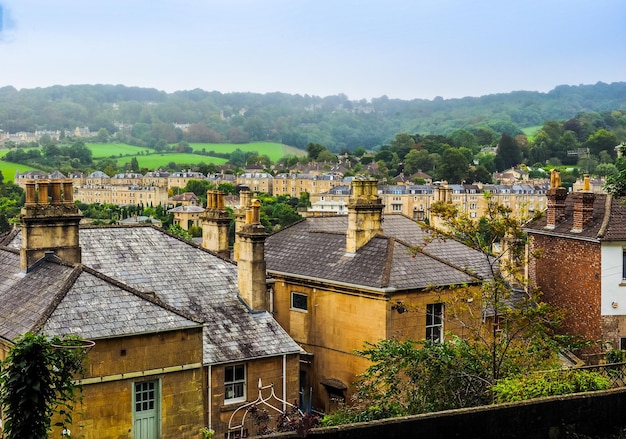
pixel 146 410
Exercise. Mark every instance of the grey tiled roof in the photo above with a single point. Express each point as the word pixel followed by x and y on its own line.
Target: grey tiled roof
pixel 188 278
pixel 138 279
pixel 19 313
pixel 316 248
pixel 608 221
pixel 96 308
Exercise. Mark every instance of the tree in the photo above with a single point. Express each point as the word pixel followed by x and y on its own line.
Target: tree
pixel 508 332
pixel 38 381
pixel 454 166
pixel 103 135
pixel 616 184
pixel 417 160
pixel 134 164
pixel 606 169
pixel 508 152
pixel 314 150
pixel 602 140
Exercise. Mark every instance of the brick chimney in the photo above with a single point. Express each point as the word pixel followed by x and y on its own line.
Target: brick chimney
pixel 556 196
pixel 365 209
pixel 583 206
pixel 245 198
pixel 50 222
pixel 251 272
pixel 215 224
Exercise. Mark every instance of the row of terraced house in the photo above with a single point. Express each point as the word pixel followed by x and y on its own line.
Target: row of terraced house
pixel 328 192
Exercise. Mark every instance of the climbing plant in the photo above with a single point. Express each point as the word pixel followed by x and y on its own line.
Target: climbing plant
pixel 37 382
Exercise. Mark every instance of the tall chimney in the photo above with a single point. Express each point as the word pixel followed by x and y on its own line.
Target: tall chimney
pixel 215 224
pixel 50 222
pixel 251 272
pixel 556 196
pixel 245 198
pixel 365 210
pixel 583 206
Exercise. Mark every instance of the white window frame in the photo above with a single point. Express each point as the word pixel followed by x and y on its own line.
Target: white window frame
pixel 293 303
pixel 235 387
pixel 434 322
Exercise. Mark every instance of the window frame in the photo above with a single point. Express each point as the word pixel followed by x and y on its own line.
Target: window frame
pixel 293 304
pixel 434 322
pixel 235 382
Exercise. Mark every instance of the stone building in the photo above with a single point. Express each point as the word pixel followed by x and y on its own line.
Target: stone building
pixel 582 267
pixel 294 184
pixel 341 281
pixel 180 342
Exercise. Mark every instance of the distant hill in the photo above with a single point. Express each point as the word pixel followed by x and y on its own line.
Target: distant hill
pixel 143 116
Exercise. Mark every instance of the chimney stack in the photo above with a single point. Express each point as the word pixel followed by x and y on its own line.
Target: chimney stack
pixel 215 224
pixel 556 196
pixel 50 222
pixel 245 198
pixel 251 273
pixel 365 209
pixel 583 206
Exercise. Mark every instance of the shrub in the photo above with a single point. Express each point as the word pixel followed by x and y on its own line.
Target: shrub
pixel 557 382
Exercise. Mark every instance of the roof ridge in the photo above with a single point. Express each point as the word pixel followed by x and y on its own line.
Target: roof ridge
pixel 58 297
pixel 607 216
pixel 287 227
pixel 450 264
pixel 8 237
pixel 149 297
pixel 388 260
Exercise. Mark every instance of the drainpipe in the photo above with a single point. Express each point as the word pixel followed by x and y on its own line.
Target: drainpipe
pixel 208 390
pixel 284 383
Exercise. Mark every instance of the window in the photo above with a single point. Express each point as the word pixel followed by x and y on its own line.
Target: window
pixel 396 207
pixel 299 301
pixel 624 263
pixel 434 322
pixel 235 383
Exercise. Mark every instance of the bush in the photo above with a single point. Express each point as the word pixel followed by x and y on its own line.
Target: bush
pixel 557 382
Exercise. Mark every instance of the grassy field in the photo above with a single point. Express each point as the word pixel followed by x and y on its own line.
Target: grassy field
pixel 8 169
pixel 275 151
pixel 531 131
pixel 148 158
pixel 102 150
pixel 160 160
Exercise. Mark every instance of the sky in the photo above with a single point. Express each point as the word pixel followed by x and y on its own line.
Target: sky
pixel 405 49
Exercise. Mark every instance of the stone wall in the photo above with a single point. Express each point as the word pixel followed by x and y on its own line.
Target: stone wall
pixel 593 414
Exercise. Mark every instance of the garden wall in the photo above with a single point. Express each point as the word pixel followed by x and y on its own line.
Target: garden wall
pixel 594 414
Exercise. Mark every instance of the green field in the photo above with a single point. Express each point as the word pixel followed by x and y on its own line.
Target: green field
pixel 103 150
pixel 8 169
pixel 531 131
pixel 275 151
pixel 148 158
pixel 160 160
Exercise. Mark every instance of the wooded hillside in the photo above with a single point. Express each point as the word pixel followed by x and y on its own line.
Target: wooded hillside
pixel 144 116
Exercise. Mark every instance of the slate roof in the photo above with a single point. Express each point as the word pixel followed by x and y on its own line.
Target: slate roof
pixel 608 221
pixel 315 248
pixel 138 279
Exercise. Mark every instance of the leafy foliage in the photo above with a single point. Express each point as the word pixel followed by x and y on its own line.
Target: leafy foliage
pixel 409 377
pixel 37 382
pixel 176 229
pixel 507 331
pixel 556 382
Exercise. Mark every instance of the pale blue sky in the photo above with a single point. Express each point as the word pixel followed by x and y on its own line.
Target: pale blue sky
pixel 364 48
